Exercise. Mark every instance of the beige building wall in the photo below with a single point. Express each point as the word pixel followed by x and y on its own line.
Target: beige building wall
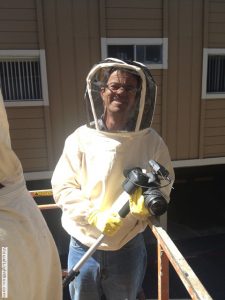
pixel 70 32
pixel 183 94
pixel 213 110
pixel 19 30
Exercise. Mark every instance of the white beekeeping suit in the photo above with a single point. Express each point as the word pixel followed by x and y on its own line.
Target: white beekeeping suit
pixel 26 244
pixel 89 174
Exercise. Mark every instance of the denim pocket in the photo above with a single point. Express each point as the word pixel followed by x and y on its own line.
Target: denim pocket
pixel 74 243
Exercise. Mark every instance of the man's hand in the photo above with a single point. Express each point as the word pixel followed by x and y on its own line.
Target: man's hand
pixel 137 205
pixel 107 222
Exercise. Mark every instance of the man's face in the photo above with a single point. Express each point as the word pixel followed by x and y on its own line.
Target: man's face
pixel 120 93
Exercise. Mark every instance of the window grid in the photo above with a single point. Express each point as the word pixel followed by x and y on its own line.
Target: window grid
pixel 213 73
pixel 160 45
pixel 216 74
pixel 20 79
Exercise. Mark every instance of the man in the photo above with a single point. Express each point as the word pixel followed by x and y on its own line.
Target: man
pixel 87 181
pixel 31 262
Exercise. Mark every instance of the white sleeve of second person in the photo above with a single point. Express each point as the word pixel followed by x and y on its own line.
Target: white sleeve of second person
pixel 4 125
pixel 66 184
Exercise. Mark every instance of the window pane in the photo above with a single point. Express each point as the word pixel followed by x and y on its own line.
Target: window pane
pixel 216 74
pixel 150 54
pixel 121 52
pixel 21 80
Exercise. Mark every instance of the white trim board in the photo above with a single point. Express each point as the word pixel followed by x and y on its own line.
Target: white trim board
pixel 38 175
pixel 198 162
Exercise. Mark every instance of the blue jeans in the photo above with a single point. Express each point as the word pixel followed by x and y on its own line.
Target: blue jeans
pixel 117 275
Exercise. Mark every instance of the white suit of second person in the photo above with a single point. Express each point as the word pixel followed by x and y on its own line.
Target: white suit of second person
pixel 31 257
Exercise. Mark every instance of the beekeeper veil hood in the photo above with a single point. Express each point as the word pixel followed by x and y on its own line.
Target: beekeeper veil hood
pixel 141 113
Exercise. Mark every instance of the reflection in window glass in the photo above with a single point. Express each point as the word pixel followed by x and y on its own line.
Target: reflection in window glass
pixel 124 52
pixel 216 74
pixel 147 54
pixel 150 54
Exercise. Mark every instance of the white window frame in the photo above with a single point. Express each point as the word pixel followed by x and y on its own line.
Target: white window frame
pixel 206 53
pixel 138 41
pixel 30 54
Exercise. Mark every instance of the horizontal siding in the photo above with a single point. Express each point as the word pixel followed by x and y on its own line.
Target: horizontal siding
pixel 34 164
pixel 24 133
pixel 214 133
pixel 19 14
pixel 134 19
pixel 217 40
pixel 28 123
pixel 137 13
pixel 15 26
pixel 30 153
pixel 216 26
pixel 17 4
pixel 31 143
pixel 214 151
pixel 143 33
pixel 28 135
pixel 217 122
pixel 14 39
pixel 128 24
pixel 134 3
pixel 215 140
pixel 215 113
pixel 23 112
pixel 18 25
pixel 215 104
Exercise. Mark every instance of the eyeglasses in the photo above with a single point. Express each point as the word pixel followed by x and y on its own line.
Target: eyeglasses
pixel 115 87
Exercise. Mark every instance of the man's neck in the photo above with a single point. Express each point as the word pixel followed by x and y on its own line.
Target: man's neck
pixel 115 122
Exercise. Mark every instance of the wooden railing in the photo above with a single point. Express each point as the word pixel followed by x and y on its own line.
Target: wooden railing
pixel 167 253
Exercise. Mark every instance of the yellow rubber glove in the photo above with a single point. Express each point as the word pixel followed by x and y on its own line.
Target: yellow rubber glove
pixel 107 222
pixel 137 206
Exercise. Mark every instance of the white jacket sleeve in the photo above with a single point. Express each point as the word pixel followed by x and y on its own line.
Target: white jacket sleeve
pixel 4 125
pixel 66 183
